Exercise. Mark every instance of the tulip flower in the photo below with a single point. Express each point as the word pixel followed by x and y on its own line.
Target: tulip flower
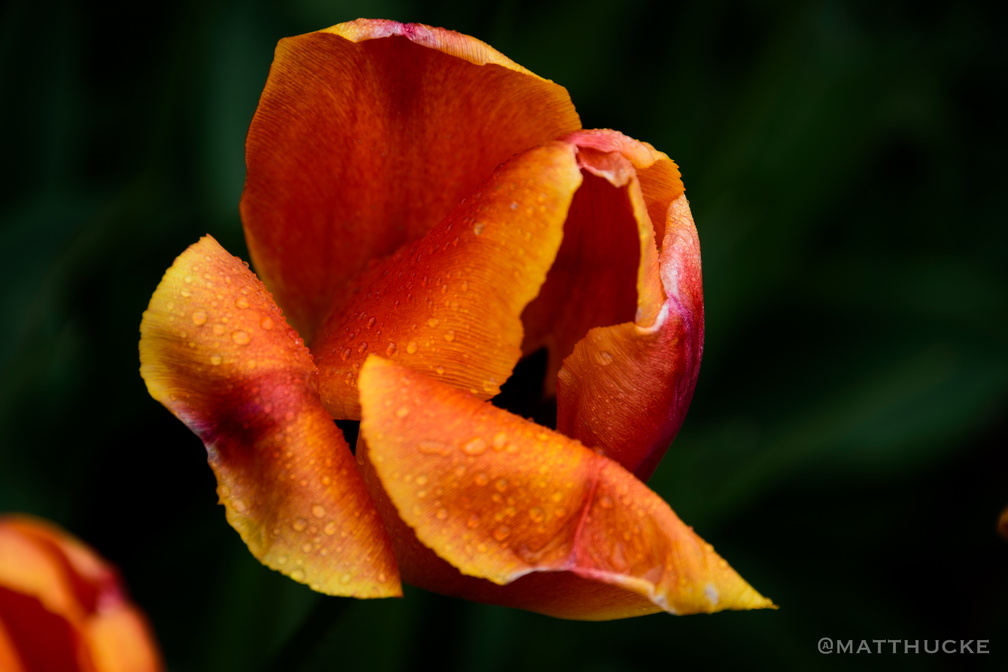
pixel 426 212
pixel 64 608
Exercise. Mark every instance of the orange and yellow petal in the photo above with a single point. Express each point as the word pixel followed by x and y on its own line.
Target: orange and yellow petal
pixel 217 352
pixel 62 607
pixel 362 142
pixel 501 498
pixel 450 304
pixel 626 388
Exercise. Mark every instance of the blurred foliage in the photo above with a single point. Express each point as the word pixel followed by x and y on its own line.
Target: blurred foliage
pixel 845 447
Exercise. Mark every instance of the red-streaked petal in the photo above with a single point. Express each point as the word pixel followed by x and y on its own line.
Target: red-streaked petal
pixel 369 133
pixel 62 607
pixel 216 351
pixel 607 269
pixel 450 304
pixel 626 388
pixel 501 498
pixel 623 315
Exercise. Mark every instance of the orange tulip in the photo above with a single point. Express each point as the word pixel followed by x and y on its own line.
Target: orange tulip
pixel 426 212
pixel 64 608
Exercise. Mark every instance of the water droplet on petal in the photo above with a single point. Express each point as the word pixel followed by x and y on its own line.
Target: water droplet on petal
pixel 536 514
pixel 241 337
pixel 390 350
pixel 432 448
pixel 242 302
pixel 412 347
pixel 199 318
pixel 476 446
pixel 299 525
pixel 433 322
pixel 449 335
pixel 362 347
pixel 441 514
pixel 345 355
pixel 216 360
pixel 478 228
pixel 604 358
pixel 402 412
pixel 501 533
pixel 318 511
pixel 266 323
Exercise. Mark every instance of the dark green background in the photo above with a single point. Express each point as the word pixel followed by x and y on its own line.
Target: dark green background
pixel 845 450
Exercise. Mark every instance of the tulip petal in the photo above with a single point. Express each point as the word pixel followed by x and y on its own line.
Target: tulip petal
pixel 607 269
pixel 216 351
pixel 501 498
pixel 62 607
pixel 369 133
pixel 621 316
pixel 450 303
pixel 626 388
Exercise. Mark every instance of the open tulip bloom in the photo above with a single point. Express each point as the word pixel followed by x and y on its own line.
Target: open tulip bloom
pixel 426 212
